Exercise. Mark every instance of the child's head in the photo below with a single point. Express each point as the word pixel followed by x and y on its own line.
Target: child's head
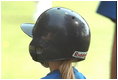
pixel 60 36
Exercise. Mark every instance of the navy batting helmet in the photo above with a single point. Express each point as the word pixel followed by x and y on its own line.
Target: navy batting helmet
pixel 58 34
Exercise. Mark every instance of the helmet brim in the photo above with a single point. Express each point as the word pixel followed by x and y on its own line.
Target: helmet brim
pixel 27 28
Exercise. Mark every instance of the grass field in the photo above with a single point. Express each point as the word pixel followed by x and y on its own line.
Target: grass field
pixel 16 61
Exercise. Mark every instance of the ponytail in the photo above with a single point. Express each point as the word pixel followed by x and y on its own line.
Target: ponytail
pixel 66 70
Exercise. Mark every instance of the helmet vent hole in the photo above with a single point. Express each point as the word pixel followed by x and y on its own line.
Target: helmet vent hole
pixel 58 8
pixel 73 17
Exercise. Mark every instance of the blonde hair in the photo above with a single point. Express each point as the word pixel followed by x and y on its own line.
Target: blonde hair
pixel 66 70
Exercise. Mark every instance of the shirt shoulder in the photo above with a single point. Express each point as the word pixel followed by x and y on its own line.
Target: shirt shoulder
pixel 53 75
pixel 78 75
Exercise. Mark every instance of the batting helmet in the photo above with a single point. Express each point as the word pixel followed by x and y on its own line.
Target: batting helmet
pixel 58 34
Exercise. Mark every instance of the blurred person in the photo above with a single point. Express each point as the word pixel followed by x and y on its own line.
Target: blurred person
pixel 60 36
pixel 108 9
pixel 41 6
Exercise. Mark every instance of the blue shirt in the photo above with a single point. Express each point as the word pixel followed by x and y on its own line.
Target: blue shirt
pixel 56 75
pixel 108 9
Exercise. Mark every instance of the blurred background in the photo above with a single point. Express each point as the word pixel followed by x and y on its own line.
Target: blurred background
pixel 16 60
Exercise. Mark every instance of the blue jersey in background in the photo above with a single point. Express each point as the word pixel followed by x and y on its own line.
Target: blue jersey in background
pixel 108 9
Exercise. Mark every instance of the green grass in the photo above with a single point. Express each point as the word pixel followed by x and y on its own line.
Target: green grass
pixel 16 61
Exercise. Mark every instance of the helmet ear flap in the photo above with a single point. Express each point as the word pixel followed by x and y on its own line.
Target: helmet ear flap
pixel 32 51
pixel 45 64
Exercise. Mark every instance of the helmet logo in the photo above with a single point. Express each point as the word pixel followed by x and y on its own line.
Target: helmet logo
pixel 78 54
